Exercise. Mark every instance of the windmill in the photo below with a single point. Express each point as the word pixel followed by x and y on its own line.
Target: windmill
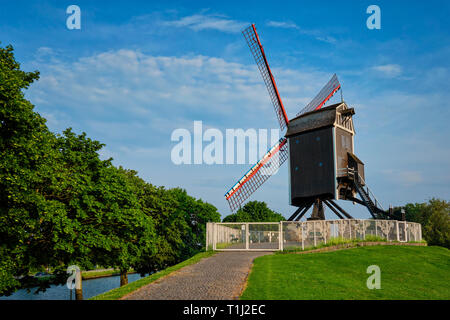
pixel 319 145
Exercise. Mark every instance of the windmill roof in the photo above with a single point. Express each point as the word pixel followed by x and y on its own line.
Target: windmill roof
pixel 355 157
pixel 312 120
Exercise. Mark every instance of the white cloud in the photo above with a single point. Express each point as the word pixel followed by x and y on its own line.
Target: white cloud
pixel 132 101
pixel 41 51
pixel 161 92
pixel 388 70
pixel 199 22
pixel 327 39
pixel 318 35
pixel 410 177
pixel 405 178
pixel 281 24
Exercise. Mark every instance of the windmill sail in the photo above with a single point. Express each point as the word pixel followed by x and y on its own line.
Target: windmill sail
pixel 257 175
pixel 323 96
pixel 251 36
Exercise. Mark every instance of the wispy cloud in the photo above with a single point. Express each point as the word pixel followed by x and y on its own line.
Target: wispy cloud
pixel 129 98
pixel 317 34
pixel 411 177
pixel 132 101
pixel 41 51
pixel 405 178
pixel 198 22
pixel 388 70
pixel 136 85
pixel 281 24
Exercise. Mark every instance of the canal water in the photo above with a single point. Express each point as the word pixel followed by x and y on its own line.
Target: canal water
pixel 91 287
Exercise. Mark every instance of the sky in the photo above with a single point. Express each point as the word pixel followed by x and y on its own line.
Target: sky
pixel 138 70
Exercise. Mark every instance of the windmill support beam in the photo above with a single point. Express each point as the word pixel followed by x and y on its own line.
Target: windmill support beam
pixel 334 210
pixel 300 212
pixel 303 212
pixel 292 217
pixel 334 204
pixel 355 200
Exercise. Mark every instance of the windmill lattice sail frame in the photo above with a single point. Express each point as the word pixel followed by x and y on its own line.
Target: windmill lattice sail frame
pixel 252 38
pixel 323 96
pixel 257 175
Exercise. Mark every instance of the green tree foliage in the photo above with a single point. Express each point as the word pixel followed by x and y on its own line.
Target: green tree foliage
pixel 180 222
pixel 161 207
pixel 111 230
pixel 196 214
pixel 434 216
pixel 437 229
pixel 27 156
pixel 254 211
pixel 61 205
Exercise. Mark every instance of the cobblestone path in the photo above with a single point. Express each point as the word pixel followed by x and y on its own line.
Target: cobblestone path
pixel 219 277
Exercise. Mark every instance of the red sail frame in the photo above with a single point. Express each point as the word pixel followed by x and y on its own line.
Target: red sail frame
pixel 257 175
pixel 252 38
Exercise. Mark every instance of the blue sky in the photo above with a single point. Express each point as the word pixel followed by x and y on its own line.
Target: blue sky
pixel 138 70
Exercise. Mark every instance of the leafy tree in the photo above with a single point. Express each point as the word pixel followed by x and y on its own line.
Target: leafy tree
pixel 434 216
pixel 111 228
pixel 254 211
pixel 414 212
pixel 59 203
pixel 27 159
pixel 196 214
pixel 436 231
pixel 180 222
pixel 170 225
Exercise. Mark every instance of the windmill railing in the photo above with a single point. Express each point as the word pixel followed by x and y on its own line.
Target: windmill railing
pixel 352 173
pixel 372 196
pixel 289 235
pixel 342 172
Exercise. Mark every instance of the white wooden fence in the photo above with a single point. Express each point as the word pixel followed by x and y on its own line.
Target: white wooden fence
pixel 274 236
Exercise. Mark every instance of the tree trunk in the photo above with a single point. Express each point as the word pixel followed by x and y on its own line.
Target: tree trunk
pixel 123 278
pixel 78 286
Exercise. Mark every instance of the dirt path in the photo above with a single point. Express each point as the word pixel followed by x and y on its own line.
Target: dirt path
pixel 219 277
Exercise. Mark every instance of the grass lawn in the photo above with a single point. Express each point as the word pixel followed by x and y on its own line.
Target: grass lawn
pixel 118 293
pixel 407 272
pixel 92 274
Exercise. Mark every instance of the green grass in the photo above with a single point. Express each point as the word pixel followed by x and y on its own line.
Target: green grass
pixel 118 293
pixel 337 241
pixel 92 274
pixel 224 245
pixel 407 272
